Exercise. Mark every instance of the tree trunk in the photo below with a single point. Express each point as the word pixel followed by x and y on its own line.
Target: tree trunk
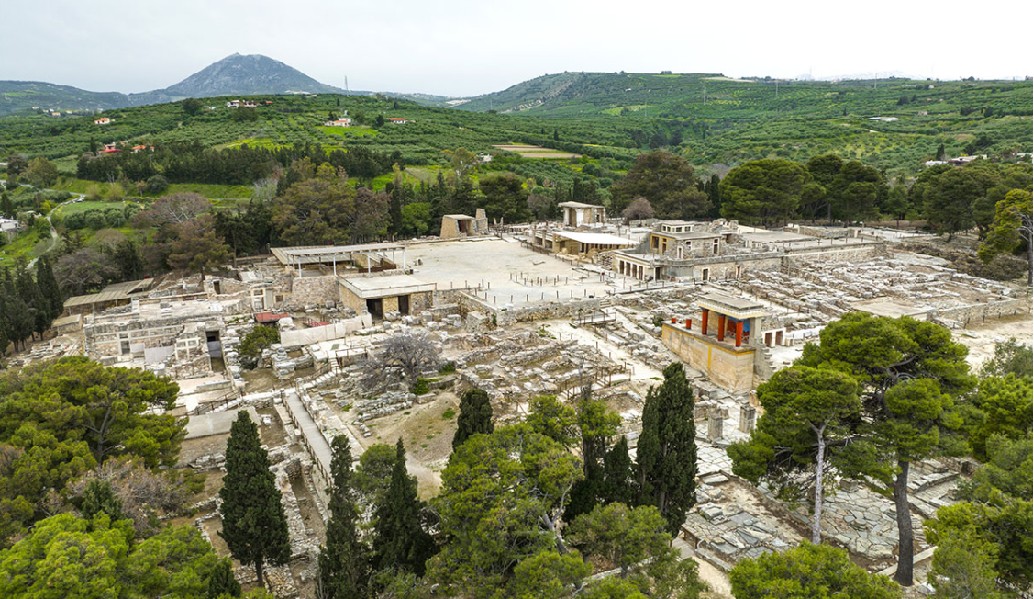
pixel 820 457
pixel 906 549
pixel 258 572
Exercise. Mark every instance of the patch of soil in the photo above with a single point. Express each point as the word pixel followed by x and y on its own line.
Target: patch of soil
pixel 272 434
pixel 201 446
pixel 427 430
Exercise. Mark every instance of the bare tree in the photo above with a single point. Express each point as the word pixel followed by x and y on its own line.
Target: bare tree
pixel 173 208
pixel 637 209
pixel 412 353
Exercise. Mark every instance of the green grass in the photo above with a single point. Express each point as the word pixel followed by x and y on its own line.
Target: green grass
pixel 354 131
pixel 26 245
pixel 212 191
pixel 86 206
pixel 448 414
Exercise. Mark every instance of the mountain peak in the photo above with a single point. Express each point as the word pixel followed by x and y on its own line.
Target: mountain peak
pixel 246 75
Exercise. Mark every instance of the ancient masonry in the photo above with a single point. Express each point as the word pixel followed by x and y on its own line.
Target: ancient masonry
pixel 550 308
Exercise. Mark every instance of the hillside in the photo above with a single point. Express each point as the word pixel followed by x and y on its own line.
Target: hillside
pixel 715 122
pixel 21 96
pixel 235 75
pixel 895 124
pixel 245 75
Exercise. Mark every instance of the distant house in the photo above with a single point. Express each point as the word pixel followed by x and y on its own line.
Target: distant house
pixel 8 225
pixel 102 121
pixel 141 148
pixel 55 114
pixel 398 121
pixel 233 104
pixel 111 148
pixel 344 122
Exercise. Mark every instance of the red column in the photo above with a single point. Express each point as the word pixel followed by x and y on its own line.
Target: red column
pixel 739 333
pixel 721 326
pixel 703 321
pixel 689 323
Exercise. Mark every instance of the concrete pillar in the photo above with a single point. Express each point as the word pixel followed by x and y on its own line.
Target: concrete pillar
pixel 721 326
pixel 703 321
pixel 739 333
pixel 748 418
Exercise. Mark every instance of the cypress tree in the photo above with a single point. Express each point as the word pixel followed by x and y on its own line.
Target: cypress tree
pixel 618 475
pixel 6 205
pixel 399 541
pixel 667 448
pixel 19 319
pixel 49 288
pixel 475 416
pixel 343 567
pixel 38 308
pixel 254 525
pixel 222 582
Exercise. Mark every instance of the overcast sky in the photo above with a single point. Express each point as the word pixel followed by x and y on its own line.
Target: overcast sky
pixel 466 47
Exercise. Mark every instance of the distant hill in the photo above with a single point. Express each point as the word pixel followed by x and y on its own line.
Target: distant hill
pixel 710 96
pixel 19 96
pixel 235 75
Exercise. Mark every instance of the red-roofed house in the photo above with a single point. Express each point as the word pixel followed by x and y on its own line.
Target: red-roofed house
pixel 102 121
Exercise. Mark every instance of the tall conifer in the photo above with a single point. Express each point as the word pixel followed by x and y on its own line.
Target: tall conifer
pixel 400 542
pixel 254 525
pixel 344 570
pixel 667 448
pixel 475 416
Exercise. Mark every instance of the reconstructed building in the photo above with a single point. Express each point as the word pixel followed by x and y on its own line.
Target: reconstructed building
pixel 577 214
pixel 377 295
pixel 460 225
pixel 724 342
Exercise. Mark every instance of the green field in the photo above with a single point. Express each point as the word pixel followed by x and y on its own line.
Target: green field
pixel 707 118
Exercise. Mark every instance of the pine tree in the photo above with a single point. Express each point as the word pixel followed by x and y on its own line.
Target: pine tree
pixel 667 448
pixel 344 570
pixel 596 425
pixel 399 541
pixel 618 475
pixel 475 416
pixel 222 582
pixel 254 525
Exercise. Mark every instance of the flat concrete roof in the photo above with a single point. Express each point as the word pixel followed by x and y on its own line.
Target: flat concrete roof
pixel 316 254
pixel 216 423
pixel 775 236
pixel 597 238
pixel 689 234
pixel 458 217
pixel 578 205
pixel 737 307
pixel 117 291
pixel 385 286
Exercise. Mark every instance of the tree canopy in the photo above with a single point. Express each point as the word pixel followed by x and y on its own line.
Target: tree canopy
pixel 763 192
pixel 667 181
pixel 808 572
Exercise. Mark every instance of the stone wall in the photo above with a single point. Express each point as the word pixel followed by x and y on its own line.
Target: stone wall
pixel 990 311
pixel 311 291
pixel 728 367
